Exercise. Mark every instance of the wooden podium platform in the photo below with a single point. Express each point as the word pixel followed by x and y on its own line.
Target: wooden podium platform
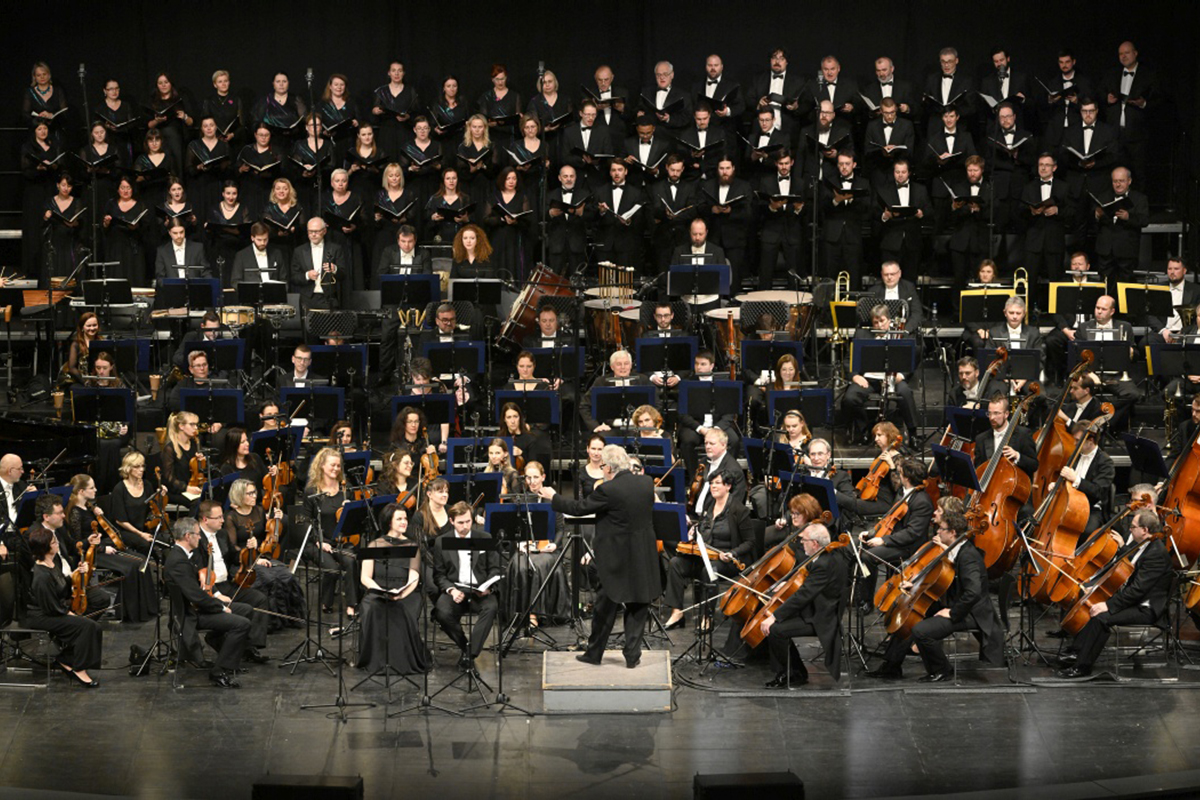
pixel 569 686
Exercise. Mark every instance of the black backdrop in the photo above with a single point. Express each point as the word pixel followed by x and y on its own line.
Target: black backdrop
pixel 133 39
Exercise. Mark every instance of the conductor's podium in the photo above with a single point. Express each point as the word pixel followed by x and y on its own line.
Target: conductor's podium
pixel 569 686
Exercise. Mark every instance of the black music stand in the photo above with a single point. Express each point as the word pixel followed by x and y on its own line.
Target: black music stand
pixel 618 402
pixel 1145 457
pixel 698 279
pixel 278 440
pixel 257 295
pixel 339 362
pixel 651 452
pixel 883 355
pixel 468 487
pixel 323 402
pixel 1021 365
pixel 1173 360
pixel 466 454
pixel 132 355
pixel 1138 301
pixel 473 678
pixel 226 406
pixel 1110 357
pixel 1072 299
pixel 93 405
pixel 224 355
pixel 565 363
pixel 981 307
pixel 816 405
pixel 409 291
pixel 967 423
pixel 517 523
pixel 956 467
pixel 455 358
pixel 540 407
pixel 759 356
pixel 671 355
pixel 189 293
pixel 716 397
pixel 480 292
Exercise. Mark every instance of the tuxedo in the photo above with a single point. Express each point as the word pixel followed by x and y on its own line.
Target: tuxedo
pixel 781 228
pixel 245 266
pixel 567 234
pixel 618 242
pixel 990 84
pixel 1046 237
pixel 613 121
pixel 907 291
pixel 600 142
pixel 1132 123
pixel 1030 339
pixel 1121 238
pixel 660 147
pixel 484 565
pixel 302 263
pixel 778 138
pixel 676 120
pixel 1098 177
pixel 1066 108
pixel 1091 410
pixel 880 162
pixel 1009 170
pixel 1191 297
pixel 961 95
pixel 672 233
pixel 968 225
pixel 842 227
pixel 165 263
pixel 199 610
pixel 794 88
pixel 389 263
pixel 823 166
pixel 855 399
pixel 910 533
pixel 815 609
pixel 716 147
pixel 683 254
pixel 900 238
pixel 1021 441
pixel 844 91
pixel 590 423
pixel 729 231
pixel 953 168
pixel 902 92
pixel 724 93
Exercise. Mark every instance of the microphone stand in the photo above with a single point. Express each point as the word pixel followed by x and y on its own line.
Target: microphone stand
pixel 86 130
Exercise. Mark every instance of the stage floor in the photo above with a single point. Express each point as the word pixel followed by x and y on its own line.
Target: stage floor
pixel 141 737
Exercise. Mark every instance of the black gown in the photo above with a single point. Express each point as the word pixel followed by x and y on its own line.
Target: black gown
pixel 49 610
pixel 165 216
pixel 511 243
pixel 67 240
pixel 349 213
pixel 126 241
pixel 37 187
pixel 443 231
pixel 391 632
pixel 174 130
pixel 151 179
pixel 226 235
pixel 525 574
pixel 283 118
pixel 287 228
pixel 339 124
pixel 321 160
pixel 451 121
pixel 504 107
pixel 137 593
pixel 120 124
pixel 100 171
pixel 482 182
pixel 282 588
pixel 32 104
pixel 254 185
pixel 404 210
pixel 227 113
pixel 422 168
pixel 390 133
pixel 204 185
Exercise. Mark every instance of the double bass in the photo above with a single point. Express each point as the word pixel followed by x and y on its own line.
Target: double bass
pixel 1055 442
pixel 1183 495
pixel 1004 489
pixel 933 484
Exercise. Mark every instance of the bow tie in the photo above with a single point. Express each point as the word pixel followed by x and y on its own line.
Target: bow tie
pixel 1089 127
pixel 888 124
pixel 713 81
pixel 950 133
pixel 901 185
pixel 585 127
pixel 947 77
pixel 778 74
pixel 1046 183
pixel 885 83
pixel 1130 74
pixel 1118 196
pixel 618 186
pixel 831 83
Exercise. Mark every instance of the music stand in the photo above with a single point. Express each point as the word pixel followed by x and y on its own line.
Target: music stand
pixel 956 467
pixel 651 452
pixel 523 522
pixel 697 279
pixel 1074 299
pixel 883 355
pixel 672 354
pixel 1110 357
pixel 697 398
pixel 1021 365
pixel 94 405
pixel 982 306
pixel 540 407
pixel 1145 456
pixel 437 408
pixel 324 402
pixel 277 441
pixel 564 363
pixel 802 482
pixel 189 293
pixel 618 402
pixel 224 355
pixel 815 405
pixel 474 681
pixel 759 356
pixel 967 423
pixel 1172 360
pixel 480 292
pixel 462 456
pixel 256 295
pixel 484 485
pixel 339 362
pixel 226 406
pixel 455 358
pixel 107 292
pixel 132 355
pixel 218 488
pixel 409 291
pixel 1144 300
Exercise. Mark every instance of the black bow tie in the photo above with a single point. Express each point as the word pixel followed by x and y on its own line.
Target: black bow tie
pixel 1046 183
pixel 1089 127
pixel 1130 74
pixel 831 83
pixel 901 185
pixel 618 186
pixel 713 81
pixel 885 83
pixel 585 127
pixel 1118 196
pixel 888 124
pixel 951 133
pixel 778 74
pixel 947 77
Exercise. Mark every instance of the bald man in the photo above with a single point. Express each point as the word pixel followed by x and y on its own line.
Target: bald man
pixel 1119 224
pixel 319 269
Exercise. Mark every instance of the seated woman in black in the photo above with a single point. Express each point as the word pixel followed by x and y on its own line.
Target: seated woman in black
pixel 50 610
pixel 391 632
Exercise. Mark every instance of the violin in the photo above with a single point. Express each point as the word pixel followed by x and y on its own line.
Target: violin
pixel 207 574
pixel 272 484
pixel 101 521
pixel 198 465
pixel 868 485
pixel 693 549
pixel 79 580
pixel 696 485
pixel 351 539
pixel 430 464
pixel 158 505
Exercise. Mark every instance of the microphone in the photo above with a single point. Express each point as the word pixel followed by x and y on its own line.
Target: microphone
pixel 308 75
pixel 541 70
pixel 82 71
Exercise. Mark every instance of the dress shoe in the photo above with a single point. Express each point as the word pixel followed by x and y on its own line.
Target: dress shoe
pixel 224 680
pixel 886 673
pixel 1073 673
pixel 588 660
pixel 679 623
pixel 254 657
pixel 202 664
pixel 783 679
pixel 934 677
pixel 92 684
pixel 1068 659
pixel 1058 634
pixel 633 664
pixel 465 663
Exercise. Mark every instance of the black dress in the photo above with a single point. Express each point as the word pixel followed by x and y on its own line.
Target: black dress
pixel 339 124
pixel 254 471
pixel 495 108
pixel 512 243
pixel 227 113
pixel 49 610
pixel 120 124
pixel 338 563
pixel 317 163
pixel 287 227
pixel 526 573
pixel 177 471
pixel 151 179
pixel 137 594
pixel 422 168
pixel 126 241
pixel 101 170
pixel 204 185
pixel 482 182
pixel 37 187
pixel 174 130
pixel 65 239
pixel 254 185
pixel 391 132
pixel 391 633
pixel 349 213
pixel 226 235
pixel 282 588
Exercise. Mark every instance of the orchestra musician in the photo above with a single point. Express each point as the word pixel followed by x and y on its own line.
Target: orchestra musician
pixel 224 560
pixel 49 610
pixel 325 494
pixel 965 606
pixel 462 578
pixel 910 531
pixel 391 606
pixel 1020 449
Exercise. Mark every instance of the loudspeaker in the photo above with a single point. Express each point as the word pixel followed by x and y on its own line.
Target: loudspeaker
pixel 737 785
pixel 307 787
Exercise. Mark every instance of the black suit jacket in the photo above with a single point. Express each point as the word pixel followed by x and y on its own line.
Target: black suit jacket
pixel 1145 87
pixel 585 405
pixel 1121 238
pixel 182 571
pixel 1052 114
pixel 967 597
pixel 687 193
pixel 844 221
pixel 1031 336
pixel 193 255
pixel 739 487
pixel 952 169
pixel 794 88
pixel 1021 441
pixel 1097 177
pixel 716 147
pixel 1088 332
pixel 1099 480
pixel 617 122
pixel 908 292
pixel 677 119
pixel 990 85
pixel 845 91
pixel 782 224
pixel 600 142
pixel 825 166
pixel 1047 234
pixel 725 93
pixel 962 95
pixel 615 236
pixel 896 229
pixel 913 529
pixel 302 262
pixel 728 230
pixel 968 223
pixel 567 233
pixel 389 263
pixel 245 266
pixel 1149 582
pixel 881 161
pixel 625 546
pixel 819 600
pixel 1021 161
pixel 660 147
pixel 1090 411
pixel 902 92
pixel 485 564
pixel 1191 296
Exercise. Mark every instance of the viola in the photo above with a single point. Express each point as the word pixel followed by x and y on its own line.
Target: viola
pixel 696 485
pixel 158 506
pixel 207 574
pixel 79 580
pixel 693 549
pixel 101 521
pixel 273 484
pixel 780 591
pixel 868 485
pixel 198 465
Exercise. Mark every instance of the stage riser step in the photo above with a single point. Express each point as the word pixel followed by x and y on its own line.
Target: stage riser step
pixel 569 686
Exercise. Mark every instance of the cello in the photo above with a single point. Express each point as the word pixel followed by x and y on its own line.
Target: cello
pixel 783 589
pixel 1094 554
pixel 741 599
pixel 1183 495
pixel 1004 489
pixel 1055 442
pixel 1060 521
pixel 930 573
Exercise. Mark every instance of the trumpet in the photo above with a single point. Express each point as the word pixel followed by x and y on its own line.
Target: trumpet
pixel 1021 288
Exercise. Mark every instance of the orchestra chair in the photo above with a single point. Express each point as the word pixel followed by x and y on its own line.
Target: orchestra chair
pixel 11 637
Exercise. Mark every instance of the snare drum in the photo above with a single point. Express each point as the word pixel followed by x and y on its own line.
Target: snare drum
pixel 718 320
pixel 278 312
pixel 599 314
pixel 237 317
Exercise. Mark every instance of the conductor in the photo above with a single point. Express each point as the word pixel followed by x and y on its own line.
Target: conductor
pixel 626 555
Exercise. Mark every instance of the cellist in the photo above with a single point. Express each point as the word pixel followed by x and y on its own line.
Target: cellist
pixel 965 605
pixel 812 610
pixel 909 533
pixel 1093 474
pixel 1141 601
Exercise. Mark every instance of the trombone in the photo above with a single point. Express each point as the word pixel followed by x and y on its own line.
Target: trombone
pixel 1021 288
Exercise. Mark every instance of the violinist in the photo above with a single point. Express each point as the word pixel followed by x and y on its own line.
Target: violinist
pixel 529 444
pixel 725 527
pixel 433 519
pixel 136 592
pixel 911 529
pixel 421 373
pixel 1020 449
pixel 820 465
pixel 865 385
pixel 1188 431
pixel 1093 474
pixel 50 610
pixel 245 527
pixel 325 493
pixel 498 461
pixel 411 432
pixel 593 468
pixel 795 433
pixel 236 457
pixel 813 610
pixel 181 447
pixel 396 477
pixel 801 510
pixel 887 439
pixel 717 458
pixel 129 501
pixel 341 437
pixel 224 565
pixel 965 606
pixel 50 516
pixel 526 573
pixel 227 620
pixel 1141 601
pixel 693 428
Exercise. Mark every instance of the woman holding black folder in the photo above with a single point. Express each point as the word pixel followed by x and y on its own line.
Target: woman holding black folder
pixel 395 205
pixel 391 606
pixel 171 116
pixel 284 215
pixel 118 118
pixel 338 112
pixel 422 159
pixel 395 103
pixel 449 113
pixel 552 108
pixel 174 207
pixel 125 222
pixel 226 110
pixel 102 161
pixel 530 155
pixel 258 165
pixel 41 162
pixel 447 210
pixel 343 213
pixel 44 103
pixel 501 106
pixel 477 157
pixel 508 220
pixel 152 169
pixel 226 226
pixel 312 160
pixel 207 163
pixel 280 109
pixel 65 216
pixel 365 160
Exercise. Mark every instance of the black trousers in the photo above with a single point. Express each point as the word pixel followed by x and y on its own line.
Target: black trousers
pixel 255 599
pixel 604 616
pixel 686 568
pixel 782 649
pixel 768 257
pixel 1116 269
pixel 449 615
pixel 870 559
pixel 233 633
pixel 856 397
pixel 844 256
pixel 1048 263
pixel 1092 638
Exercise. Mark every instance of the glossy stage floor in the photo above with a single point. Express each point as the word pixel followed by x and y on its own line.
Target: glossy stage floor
pixel 997 730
